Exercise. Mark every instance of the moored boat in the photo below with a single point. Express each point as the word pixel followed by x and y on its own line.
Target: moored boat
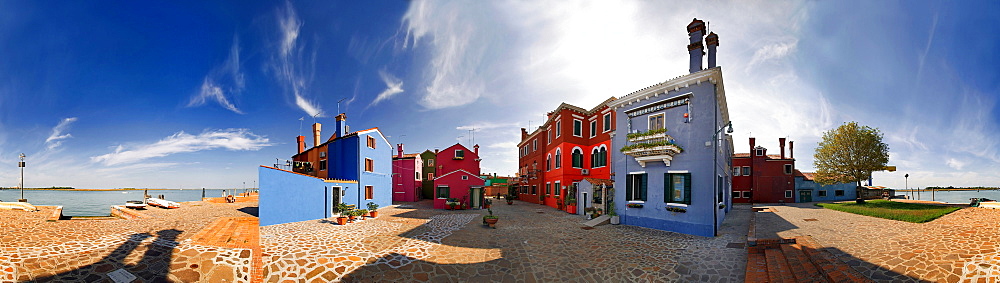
pixel 17 205
pixel 162 203
pixel 135 204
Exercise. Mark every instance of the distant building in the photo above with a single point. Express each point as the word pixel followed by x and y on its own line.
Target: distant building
pixel 458 177
pixel 808 190
pixel 759 177
pixel 670 155
pixel 594 192
pixel 429 171
pixel 406 176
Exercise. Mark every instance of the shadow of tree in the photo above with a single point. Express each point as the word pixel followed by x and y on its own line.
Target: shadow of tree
pixel 153 267
pixel 251 210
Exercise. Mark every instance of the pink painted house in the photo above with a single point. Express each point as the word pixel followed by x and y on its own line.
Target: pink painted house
pixel 406 172
pixel 458 177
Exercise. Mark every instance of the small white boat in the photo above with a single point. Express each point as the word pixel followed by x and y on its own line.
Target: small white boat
pixel 162 203
pixel 18 205
pixel 135 204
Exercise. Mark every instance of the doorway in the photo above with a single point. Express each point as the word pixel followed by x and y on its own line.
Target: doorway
pixel 584 204
pixel 475 197
pixel 335 199
pixel 805 196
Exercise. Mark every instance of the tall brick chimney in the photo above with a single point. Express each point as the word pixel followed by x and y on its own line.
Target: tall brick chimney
pixel 753 142
pixel 696 32
pixel 791 154
pixel 301 140
pixel 399 150
pixel 317 127
pixel 781 141
pixel 475 149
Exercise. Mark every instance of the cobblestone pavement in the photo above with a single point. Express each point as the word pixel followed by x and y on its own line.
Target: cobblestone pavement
pixel 963 246
pixel 532 243
pixel 155 249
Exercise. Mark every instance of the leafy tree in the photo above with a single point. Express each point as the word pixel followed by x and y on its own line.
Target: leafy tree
pixel 850 153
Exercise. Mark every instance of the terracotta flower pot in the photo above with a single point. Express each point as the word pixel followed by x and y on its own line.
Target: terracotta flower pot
pixel 492 222
pixel 374 213
pixel 342 220
pixel 351 218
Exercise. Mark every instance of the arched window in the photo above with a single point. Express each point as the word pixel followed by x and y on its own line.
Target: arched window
pixel 594 158
pixel 558 159
pixel 548 162
pixel 603 159
pixel 577 158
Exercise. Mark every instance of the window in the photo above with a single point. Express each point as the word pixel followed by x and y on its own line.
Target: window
pixel 678 187
pixel 788 193
pixel 548 162
pixel 593 158
pixel 838 193
pixel 550 137
pixel 603 157
pixel 577 128
pixel 548 189
pixel 557 188
pixel 635 187
pixel 578 158
pixel 534 145
pixel 736 170
pixel 369 192
pixel 322 165
pixel 759 151
pixel 371 142
pixel 821 193
pixel 465 177
pixel 443 192
pixel 459 154
pixel 322 154
pixel 430 163
pixel 430 176
pixel 416 176
pixel 369 165
pixel 788 169
pixel 747 194
pixel 534 189
pixel 746 170
pixel 558 159
pixel 607 122
pixel 593 128
pixel 656 122
pixel 558 128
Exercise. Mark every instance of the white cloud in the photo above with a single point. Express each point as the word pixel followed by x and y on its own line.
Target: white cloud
pixel 955 163
pixel 230 139
pixel 223 81
pixel 773 51
pixel 291 65
pixel 393 86
pixel 55 139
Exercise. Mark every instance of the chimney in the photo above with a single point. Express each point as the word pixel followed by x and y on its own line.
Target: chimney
pixel 316 129
pixel 781 141
pixel 475 149
pixel 399 150
pixel 752 144
pixel 341 129
pixel 301 140
pixel 791 154
pixel 713 42
pixel 436 151
pixel 524 133
pixel 696 32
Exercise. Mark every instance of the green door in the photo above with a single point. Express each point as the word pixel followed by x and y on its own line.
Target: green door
pixel 805 196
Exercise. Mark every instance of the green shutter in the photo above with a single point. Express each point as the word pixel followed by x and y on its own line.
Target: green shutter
pixel 628 187
pixel 642 188
pixel 668 186
pixel 687 188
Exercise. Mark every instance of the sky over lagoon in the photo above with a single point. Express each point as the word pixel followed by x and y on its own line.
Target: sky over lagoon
pixel 192 94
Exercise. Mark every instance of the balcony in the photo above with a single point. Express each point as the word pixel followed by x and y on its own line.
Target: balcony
pixel 651 146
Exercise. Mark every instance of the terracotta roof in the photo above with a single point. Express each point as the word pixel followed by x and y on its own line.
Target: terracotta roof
pixel 597 181
pixel 808 176
pixel 745 155
pixel 324 180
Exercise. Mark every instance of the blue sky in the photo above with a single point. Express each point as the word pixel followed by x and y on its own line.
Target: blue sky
pixel 194 94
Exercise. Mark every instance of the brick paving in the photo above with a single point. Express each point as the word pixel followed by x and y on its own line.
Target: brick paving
pixel 963 246
pixel 532 243
pixel 154 249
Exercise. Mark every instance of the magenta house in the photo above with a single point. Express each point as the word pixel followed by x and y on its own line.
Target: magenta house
pixel 406 172
pixel 458 177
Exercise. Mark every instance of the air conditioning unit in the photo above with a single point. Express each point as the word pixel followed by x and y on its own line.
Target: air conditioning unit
pixel 585 172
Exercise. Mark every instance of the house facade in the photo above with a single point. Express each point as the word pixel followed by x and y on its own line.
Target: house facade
pixel 671 156
pixel 759 177
pixel 458 178
pixel 594 192
pixel 286 196
pixel 572 144
pixel 363 156
pixel 407 176
pixel 429 170
pixel 807 190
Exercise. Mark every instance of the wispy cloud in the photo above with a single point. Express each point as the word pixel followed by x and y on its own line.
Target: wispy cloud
pixel 55 139
pixel 393 86
pixel 486 126
pixel 181 142
pixel 291 67
pixel 223 82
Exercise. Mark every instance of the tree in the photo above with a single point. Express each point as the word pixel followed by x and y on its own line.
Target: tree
pixel 850 153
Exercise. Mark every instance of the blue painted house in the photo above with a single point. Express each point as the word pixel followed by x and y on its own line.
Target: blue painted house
pixel 363 157
pixel 293 197
pixel 807 190
pixel 671 155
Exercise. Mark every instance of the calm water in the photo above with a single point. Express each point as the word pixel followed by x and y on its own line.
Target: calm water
pixel 953 196
pixel 95 203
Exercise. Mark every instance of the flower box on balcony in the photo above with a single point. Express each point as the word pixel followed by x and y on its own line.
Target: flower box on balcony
pixel 643 154
pixel 634 205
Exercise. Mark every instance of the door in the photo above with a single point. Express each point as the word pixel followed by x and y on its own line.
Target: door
pixel 335 195
pixel 582 205
pixel 475 197
pixel 805 196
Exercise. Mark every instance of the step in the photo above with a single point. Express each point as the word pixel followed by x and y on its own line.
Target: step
pixel 801 267
pixel 603 219
pixel 756 268
pixel 777 267
pixel 832 268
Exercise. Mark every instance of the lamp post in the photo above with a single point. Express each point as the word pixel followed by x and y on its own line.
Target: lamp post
pixel 21 164
pixel 715 173
pixel 906 180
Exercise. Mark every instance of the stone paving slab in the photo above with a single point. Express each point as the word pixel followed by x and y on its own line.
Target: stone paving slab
pixel 959 247
pixel 418 243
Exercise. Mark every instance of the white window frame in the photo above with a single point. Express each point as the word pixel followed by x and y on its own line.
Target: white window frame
pixel 649 125
pixel 746 171
pixel 607 122
pixel 558 128
pixel 759 152
pixel 464 177
pixel 736 171
pixel 577 122
pixel 788 194
pixel 593 128
pixel 534 145
pixel 788 169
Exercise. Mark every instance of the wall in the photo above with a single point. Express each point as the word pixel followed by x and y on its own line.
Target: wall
pixel 850 192
pixel 458 188
pixel 381 177
pixel 289 197
pixel 428 169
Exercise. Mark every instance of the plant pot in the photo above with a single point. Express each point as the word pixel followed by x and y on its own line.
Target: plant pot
pixel 351 218
pixel 374 213
pixel 342 220
pixel 615 220
pixel 491 221
pixel 510 202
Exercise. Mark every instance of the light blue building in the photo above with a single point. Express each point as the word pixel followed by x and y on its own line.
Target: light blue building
pixel 362 157
pixel 807 190
pixel 293 197
pixel 671 155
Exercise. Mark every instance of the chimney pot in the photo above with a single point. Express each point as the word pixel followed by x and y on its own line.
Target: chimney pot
pixel 753 142
pixel 781 141
pixel 791 154
pixel 317 127
pixel 712 40
pixel 696 32
pixel 301 140
pixel 399 150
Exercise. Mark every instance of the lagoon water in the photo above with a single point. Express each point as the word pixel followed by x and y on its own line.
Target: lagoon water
pixel 953 196
pixel 97 203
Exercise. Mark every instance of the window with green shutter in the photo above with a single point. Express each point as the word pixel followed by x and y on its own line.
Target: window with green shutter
pixel 636 187
pixel 677 187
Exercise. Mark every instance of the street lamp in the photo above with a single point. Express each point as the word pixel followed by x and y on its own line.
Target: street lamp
pixel 21 164
pixel 906 180
pixel 715 175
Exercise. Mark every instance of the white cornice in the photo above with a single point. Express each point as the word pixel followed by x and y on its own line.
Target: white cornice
pixel 713 75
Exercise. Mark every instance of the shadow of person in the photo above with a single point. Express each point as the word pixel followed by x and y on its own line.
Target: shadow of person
pixel 97 271
pixel 155 263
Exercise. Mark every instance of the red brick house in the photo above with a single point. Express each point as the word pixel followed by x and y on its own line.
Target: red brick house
pixel 458 177
pixel 759 177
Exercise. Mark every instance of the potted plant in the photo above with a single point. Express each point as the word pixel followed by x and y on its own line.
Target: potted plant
pixel 510 200
pixel 452 203
pixel 600 211
pixel 363 213
pixel 491 219
pixel 487 203
pixel 634 205
pixel 343 209
pixel 351 215
pixel 372 209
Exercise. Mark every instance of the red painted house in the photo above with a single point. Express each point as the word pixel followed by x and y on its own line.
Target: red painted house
pixel 458 177
pixel 573 144
pixel 406 173
pixel 759 177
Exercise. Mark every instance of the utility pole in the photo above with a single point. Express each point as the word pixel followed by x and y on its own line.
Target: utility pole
pixel 21 164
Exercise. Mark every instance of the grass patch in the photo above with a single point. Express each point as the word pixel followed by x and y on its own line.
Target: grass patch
pixel 909 212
